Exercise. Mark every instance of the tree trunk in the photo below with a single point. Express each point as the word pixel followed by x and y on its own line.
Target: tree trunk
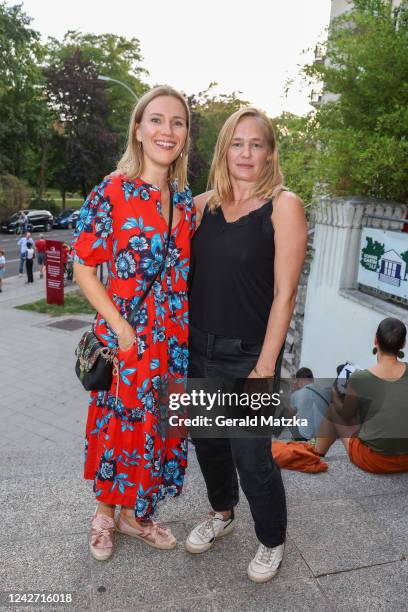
pixel 63 198
pixel 84 190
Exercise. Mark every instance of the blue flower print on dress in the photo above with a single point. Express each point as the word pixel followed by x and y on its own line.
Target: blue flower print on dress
pixel 139 243
pixel 125 264
pixel 174 253
pixel 131 190
pixel 142 345
pixel 149 401
pixel 172 472
pixel 158 332
pixel 103 224
pixel 148 447
pixel 184 199
pixel 178 356
pixel 175 301
pixel 116 405
pixel 107 466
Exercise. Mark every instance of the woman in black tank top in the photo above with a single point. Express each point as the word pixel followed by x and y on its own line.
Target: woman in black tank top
pixel 246 260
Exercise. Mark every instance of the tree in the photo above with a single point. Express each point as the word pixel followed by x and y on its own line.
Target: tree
pixel 363 144
pixel 84 146
pixel 114 56
pixel 13 195
pixel 24 117
pixel 297 148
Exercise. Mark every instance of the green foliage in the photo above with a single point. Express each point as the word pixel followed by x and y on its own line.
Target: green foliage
pixel 24 115
pixel 84 147
pixel 113 56
pixel 74 303
pixel 209 112
pixel 38 203
pixel 363 134
pixel 297 147
pixel 13 195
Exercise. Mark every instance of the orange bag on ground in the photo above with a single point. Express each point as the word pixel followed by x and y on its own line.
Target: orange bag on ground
pixel 369 460
pixel 298 456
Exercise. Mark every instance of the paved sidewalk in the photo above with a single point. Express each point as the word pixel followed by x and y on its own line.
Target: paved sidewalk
pixel 347 537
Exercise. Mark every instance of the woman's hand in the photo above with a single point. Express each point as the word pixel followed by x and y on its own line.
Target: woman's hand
pixel 126 336
pixel 257 373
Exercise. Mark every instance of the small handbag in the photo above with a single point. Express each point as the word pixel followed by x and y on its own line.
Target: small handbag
pixel 96 363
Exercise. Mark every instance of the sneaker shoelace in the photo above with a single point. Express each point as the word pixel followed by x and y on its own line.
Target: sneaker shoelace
pixel 207 528
pixel 265 556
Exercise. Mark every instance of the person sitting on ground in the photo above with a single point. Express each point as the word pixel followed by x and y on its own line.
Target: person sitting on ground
pixel 2 268
pixel 372 421
pixel 308 402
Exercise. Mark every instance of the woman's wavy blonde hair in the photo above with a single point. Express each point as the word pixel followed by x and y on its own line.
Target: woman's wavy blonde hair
pixel 269 184
pixel 131 163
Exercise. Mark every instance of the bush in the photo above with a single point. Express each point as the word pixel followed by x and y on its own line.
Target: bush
pixel 13 195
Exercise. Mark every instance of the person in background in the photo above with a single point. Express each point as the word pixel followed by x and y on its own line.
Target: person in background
pixel 2 268
pixel 30 256
pixel 22 244
pixel 22 223
pixel 308 402
pixel 370 416
pixel 40 249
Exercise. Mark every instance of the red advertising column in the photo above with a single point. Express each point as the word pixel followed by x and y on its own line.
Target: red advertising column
pixel 54 269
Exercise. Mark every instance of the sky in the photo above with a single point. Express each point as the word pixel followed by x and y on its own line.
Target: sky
pixel 251 46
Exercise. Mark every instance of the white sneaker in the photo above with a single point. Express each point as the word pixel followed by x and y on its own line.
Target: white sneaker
pixel 266 563
pixel 203 536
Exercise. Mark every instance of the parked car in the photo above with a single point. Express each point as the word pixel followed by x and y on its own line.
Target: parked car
pixel 37 220
pixel 67 219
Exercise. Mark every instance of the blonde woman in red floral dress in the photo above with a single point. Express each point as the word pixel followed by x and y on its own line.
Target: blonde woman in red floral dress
pixel 124 223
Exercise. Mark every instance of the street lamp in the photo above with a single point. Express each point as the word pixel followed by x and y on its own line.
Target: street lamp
pixel 106 78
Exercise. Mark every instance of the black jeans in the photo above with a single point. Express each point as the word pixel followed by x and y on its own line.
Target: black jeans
pixel 29 269
pixel 215 357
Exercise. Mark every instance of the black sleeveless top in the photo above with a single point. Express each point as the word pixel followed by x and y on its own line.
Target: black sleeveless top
pixel 231 278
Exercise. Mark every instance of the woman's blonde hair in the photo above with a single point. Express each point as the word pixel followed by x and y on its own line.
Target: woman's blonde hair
pixel 131 163
pixel 269 184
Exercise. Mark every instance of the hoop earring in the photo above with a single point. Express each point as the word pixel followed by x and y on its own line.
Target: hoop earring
pixel 375 350
pixel 400 354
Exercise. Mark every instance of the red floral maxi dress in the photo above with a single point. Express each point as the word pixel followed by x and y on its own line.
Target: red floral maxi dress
pixel 132 462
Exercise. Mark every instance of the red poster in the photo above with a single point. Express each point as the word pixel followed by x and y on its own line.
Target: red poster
pixel 54 272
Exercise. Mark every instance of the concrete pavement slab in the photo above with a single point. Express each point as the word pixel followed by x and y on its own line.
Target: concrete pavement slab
pixel 378 588
pixel 343 480
pixel 391 511
pixel 51 565
pixel 45 507
pixel 338 535
pixel 285 596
